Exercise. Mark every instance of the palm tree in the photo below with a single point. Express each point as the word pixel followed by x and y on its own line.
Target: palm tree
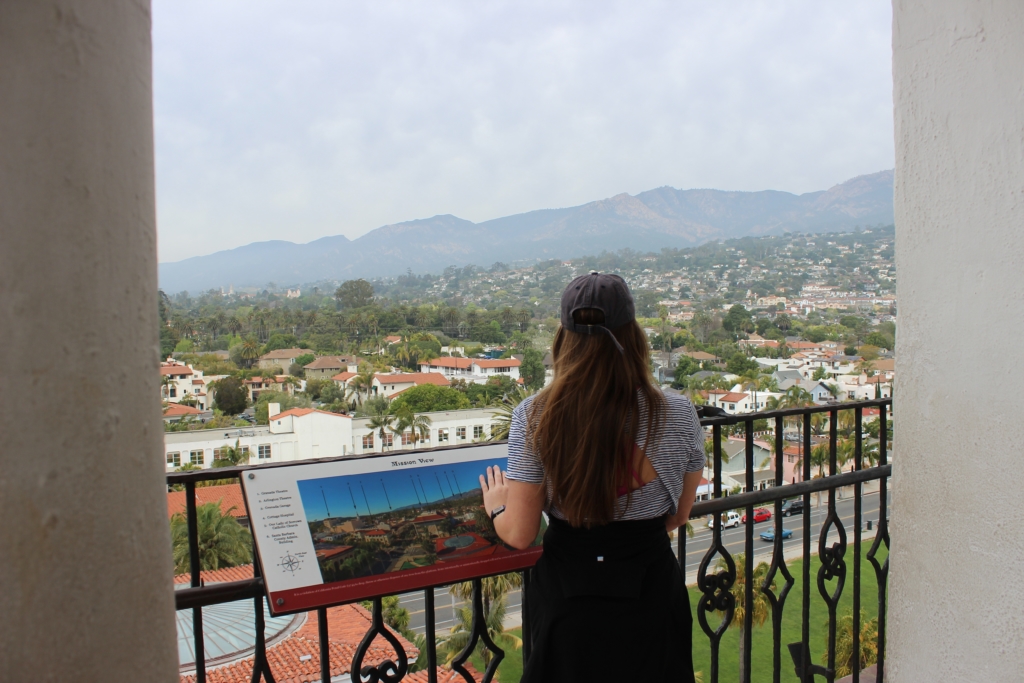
pixel 751 381
pixel 523 319
pixel 223 542
pixel 361 384
pixel 418 425
pixel 250 351
pixel 381 417
pixel 165 386
pixel 846 658
pixel 234 325
pixel 226 456
pixel 503 415
pixel 494 591
pixel 508 318
pixel 761 607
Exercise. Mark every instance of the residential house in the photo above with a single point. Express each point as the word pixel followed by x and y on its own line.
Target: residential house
pixel 281 358
pixel 477 370
pixel 326 367
pixel 392 384
pixel 257 385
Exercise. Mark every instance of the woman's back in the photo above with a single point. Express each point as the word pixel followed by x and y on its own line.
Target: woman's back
pixel 676 448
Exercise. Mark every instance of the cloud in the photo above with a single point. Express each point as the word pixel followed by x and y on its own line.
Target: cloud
pixel 294 121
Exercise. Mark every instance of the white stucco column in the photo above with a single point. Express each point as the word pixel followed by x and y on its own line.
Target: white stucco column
pixel 956 603
pixel 85 566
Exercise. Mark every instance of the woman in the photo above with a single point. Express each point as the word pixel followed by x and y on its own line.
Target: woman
pixel 616 464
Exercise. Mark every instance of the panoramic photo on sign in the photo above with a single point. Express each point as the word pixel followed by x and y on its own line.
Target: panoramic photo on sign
pixel 340 531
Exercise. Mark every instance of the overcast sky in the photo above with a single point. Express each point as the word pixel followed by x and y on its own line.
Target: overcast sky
pixel 297 120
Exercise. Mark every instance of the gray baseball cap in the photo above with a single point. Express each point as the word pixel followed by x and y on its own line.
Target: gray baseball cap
pixel 604 292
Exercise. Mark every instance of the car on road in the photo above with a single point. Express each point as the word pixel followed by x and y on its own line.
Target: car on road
pixel 760 515
pixel 729 519
pixel 769 535
pixel 793 507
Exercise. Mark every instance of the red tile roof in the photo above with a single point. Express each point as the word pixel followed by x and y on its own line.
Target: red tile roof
pixel 462 363
pixel 733 397
pixel 228 494
pixel 300 412
pixel 218 575
pixel 326 362
pixel 416 378
pixel 175 370
pixel 180 410
pixel 497 363
pixel 344 376
pixel 296 659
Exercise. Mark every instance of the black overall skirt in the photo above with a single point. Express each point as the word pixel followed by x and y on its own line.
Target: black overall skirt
pixel 608 604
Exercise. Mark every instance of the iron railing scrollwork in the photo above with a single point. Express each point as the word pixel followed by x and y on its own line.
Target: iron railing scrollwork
pixel 715 582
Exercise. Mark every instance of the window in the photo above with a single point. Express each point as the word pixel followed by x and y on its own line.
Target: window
pixel 174 459
pixel 495 429
pixel 388 441
pixel 196 457
pixel 219 453
pixel 263 452
pixel 245 452
pixel 368 441
pixel 406 438
pixel 174 392
pixel 442 435
pixel 478 431
pixel 460 433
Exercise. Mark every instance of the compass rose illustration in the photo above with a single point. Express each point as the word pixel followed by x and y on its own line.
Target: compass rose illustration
pixel 289 563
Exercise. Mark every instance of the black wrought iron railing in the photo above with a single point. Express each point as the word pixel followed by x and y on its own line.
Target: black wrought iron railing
pixel 718 601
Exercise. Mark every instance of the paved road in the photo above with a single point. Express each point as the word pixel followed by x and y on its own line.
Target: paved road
pixel 733 539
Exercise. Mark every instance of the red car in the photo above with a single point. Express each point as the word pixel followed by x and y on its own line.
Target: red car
pixel 760 515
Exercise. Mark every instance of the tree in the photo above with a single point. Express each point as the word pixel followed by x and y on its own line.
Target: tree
pixel 738 319
pixel 532 370
pixel 223 542
pixel 430 398
pixel 846 658
pixel 228 456
pixel 503 415
pixel 761 607
pixel 287 401
pixel 739 364
pixel 880 340
pixel 280 341
pixel 703 323
pixel 493 593
pixel 305 359
pixel 231 395
pixel 381 417
pixel 819 374
pixel 361 384
pixel 417 425
pixel 250 351
pixel 354 294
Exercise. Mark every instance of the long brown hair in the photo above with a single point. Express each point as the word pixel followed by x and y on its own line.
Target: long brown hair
pixel 586 421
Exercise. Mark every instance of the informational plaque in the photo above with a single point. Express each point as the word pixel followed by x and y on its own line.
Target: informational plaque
pixel 334 532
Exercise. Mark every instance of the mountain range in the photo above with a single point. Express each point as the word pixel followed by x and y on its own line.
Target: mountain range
pixel 648 221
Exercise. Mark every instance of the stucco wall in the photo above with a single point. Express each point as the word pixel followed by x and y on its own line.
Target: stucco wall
pixel 85 562
pixel 956 603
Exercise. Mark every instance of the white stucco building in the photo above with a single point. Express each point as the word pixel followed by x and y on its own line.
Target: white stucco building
pixel 477 370
pixel 306 434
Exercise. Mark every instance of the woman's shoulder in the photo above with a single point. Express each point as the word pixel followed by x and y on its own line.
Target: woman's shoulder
pixel 520 410
pixel 678 404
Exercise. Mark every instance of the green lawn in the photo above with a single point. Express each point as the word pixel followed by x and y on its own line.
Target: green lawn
pixel 511 669
pixel 761 654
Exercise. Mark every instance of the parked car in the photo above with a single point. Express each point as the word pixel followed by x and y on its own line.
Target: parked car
pixel 793 507
pixel 760 515
pixel 729 519
pixel 769 535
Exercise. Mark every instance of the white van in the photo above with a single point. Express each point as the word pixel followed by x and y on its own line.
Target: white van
pixel 729 519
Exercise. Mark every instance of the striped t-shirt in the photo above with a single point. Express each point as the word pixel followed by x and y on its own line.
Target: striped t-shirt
pixel 678 449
